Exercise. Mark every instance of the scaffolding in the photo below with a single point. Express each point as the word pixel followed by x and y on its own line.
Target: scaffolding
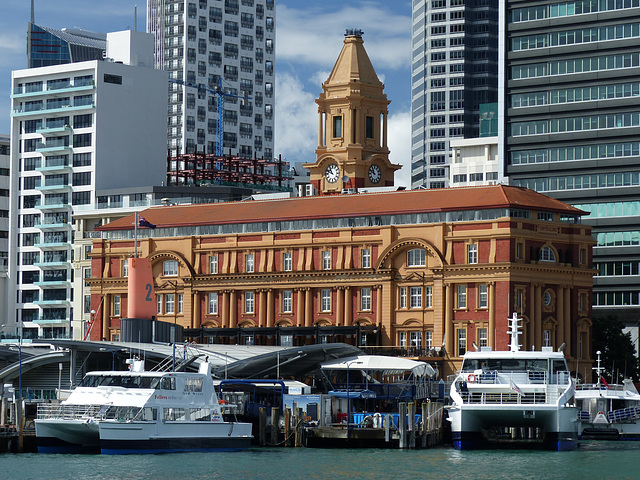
pixel 211 169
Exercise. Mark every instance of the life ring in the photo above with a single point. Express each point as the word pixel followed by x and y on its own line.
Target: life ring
pixel 222 402
pixel 471 378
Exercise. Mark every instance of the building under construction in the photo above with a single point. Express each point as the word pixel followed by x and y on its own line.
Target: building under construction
pixel 210 169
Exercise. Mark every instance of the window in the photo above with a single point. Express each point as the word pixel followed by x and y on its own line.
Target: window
pixel 213 303
pixel 462 296
pixel 472 253
pixel 115 79
pixel 369 127
pixel 180 302
pixel 169 303
pixel 428 297
pixel 248 302
pixel 213 263
pixel 286 340
pixel 415 339
pixel 326 260
pixel 402 339
pixel 365 299
pixel 366 258
pixel 483 339
pixel 547 254
pixel 416 297
pixel 416 257
pixel 462 342
pixel 170 268
pixel 125 268
pixel 482 296
pixel 547 338
pixel 159 304
pixel 287 301
pixel 428 339
pixel 337 127
pixel 403 297
pixel 325 300
pixel 248 262
pixel 287 262
pixel 116 305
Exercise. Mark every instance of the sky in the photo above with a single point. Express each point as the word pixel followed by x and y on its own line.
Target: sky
pixel 309 36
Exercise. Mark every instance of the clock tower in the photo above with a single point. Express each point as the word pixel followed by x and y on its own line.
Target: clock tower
pixel 352 148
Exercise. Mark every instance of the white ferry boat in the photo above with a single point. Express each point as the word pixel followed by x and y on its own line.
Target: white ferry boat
pixel 608 411
pixel 140 412
pixel 504 397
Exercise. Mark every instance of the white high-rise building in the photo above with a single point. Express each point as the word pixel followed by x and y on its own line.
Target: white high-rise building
pixel 215 43
pixel 76 128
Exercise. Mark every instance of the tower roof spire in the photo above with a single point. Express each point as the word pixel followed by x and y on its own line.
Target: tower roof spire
pixel 353 64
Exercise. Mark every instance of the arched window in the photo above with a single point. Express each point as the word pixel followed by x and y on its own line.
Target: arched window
pixel 170 268
pixel 547 254
pixel 416 257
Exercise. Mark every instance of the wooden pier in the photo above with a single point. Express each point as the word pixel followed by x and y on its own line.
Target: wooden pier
pixel 374 431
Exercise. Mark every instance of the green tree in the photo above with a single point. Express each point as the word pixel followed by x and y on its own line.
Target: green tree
pixel 617 353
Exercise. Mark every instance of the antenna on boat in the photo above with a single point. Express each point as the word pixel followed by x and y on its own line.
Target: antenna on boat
pixel 598 369
pixel 514 325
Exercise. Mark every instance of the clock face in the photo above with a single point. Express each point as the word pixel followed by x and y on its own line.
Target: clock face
pixel 374 174
pixel 332 173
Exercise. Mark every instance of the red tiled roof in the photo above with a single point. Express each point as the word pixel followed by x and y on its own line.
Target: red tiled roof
pixel 390 203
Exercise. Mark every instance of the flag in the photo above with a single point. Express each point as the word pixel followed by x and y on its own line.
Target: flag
pixel 604 382
pixel 515 387
pixel 144 223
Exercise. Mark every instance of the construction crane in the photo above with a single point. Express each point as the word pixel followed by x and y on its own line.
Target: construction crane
pixel 220 96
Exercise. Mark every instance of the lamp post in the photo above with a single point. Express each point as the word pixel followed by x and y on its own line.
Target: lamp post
pixel 113 355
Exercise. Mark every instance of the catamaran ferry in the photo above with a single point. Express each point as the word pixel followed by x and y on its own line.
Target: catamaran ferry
pixel 135 411
pixel 503 397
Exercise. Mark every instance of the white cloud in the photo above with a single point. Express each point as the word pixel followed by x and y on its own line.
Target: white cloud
pixel 296 120
pixel 303 33
pixel 399 132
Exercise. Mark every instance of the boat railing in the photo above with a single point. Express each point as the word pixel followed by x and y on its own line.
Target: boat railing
pixel 495 377
pixel 594 386
pixel 68 412
pixel 504 398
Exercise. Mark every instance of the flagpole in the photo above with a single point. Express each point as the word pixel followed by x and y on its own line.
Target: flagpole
pixel 135 237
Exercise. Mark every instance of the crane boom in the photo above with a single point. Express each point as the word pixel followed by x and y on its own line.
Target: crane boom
pixel 220 96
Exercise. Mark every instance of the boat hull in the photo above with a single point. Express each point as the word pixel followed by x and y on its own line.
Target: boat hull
pixel 471 425
pixel 143 437
pixel 67 436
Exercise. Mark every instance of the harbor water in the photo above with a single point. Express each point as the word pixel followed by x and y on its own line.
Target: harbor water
pixel 592 460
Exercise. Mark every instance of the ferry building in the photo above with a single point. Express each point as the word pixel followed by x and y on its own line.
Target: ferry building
pixel 425 273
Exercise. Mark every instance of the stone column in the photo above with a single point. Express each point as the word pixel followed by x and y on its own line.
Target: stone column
pixel 562 320
pixel 567 316
pixel 233 309
pixel 262 308
pixel 308 308
pixel 106 311
pixel 300 293
pixel 348 307
pixel 378 289
pixel 532 317
pixel 448 321
pixel 492 315
pixel 225 308
pixel 384 130
pixel 270 307
pixel 538 316
pixel 196 318
pixel 320 128
pixel 340 306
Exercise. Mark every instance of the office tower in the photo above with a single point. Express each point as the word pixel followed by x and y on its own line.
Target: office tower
pixel 572 99
pixel 76 128
pixel 48 46
pixel 221 46
pixel 4 202
pixel 454 70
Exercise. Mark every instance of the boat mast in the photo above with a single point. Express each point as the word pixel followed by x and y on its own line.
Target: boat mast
pixel 514 325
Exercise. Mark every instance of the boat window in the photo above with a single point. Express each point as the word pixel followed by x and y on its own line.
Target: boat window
pixel 193 384
pixel 200 414
pixel 174 414
pixel 560 366
pixel 168 383
pixel 505 365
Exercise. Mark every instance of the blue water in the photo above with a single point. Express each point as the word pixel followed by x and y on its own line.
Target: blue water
pixel 592 460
